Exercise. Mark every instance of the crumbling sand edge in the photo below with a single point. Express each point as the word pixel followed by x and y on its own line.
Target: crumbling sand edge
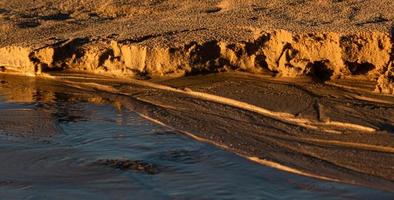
pixel 323 56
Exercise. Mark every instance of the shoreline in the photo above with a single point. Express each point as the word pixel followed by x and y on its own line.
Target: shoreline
pixel 262 136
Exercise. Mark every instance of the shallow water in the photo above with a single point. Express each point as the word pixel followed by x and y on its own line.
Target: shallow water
pixel 51 139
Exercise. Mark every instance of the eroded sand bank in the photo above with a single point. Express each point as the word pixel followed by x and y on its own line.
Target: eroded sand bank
pixel 323 39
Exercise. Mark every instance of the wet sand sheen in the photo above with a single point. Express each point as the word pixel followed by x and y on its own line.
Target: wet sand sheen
pixel 310 151
pixel 305 151
pixel 95 148
pixel 97 151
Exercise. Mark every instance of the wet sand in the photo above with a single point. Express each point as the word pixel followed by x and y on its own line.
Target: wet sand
pixel 330 137
pixel 93 147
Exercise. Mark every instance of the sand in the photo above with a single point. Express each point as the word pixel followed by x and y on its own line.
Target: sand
pixel 303 86
pixel 337 131
pixel 324 39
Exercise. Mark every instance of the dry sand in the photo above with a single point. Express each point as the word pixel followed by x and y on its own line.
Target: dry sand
pixel 274 114
pixel 326 39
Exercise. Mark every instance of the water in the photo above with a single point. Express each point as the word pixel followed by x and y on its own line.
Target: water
pixel 52 137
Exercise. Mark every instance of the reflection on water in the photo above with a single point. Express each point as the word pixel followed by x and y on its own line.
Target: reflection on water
pixel 60 143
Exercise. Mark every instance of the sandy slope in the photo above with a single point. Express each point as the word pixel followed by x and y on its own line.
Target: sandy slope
pixel 325 39
pixel 36 21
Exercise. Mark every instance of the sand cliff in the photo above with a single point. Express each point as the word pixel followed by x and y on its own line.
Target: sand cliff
pixel 323 39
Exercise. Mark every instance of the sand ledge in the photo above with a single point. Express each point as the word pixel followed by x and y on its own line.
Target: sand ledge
pixel 323 56
pixel 324 39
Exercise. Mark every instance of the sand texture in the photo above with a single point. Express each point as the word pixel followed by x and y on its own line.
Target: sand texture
pixel 325 39
pixel 338 132
pixel 304 86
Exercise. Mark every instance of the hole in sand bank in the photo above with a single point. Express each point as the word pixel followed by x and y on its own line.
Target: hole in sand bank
pixel 359 68
pixel 65 51
pixel 206 52
pixel 108 54
pixel 205 58
pixel 2 69
pixel 319 71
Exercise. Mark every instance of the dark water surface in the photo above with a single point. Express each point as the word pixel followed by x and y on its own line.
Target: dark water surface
pixel 60 143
